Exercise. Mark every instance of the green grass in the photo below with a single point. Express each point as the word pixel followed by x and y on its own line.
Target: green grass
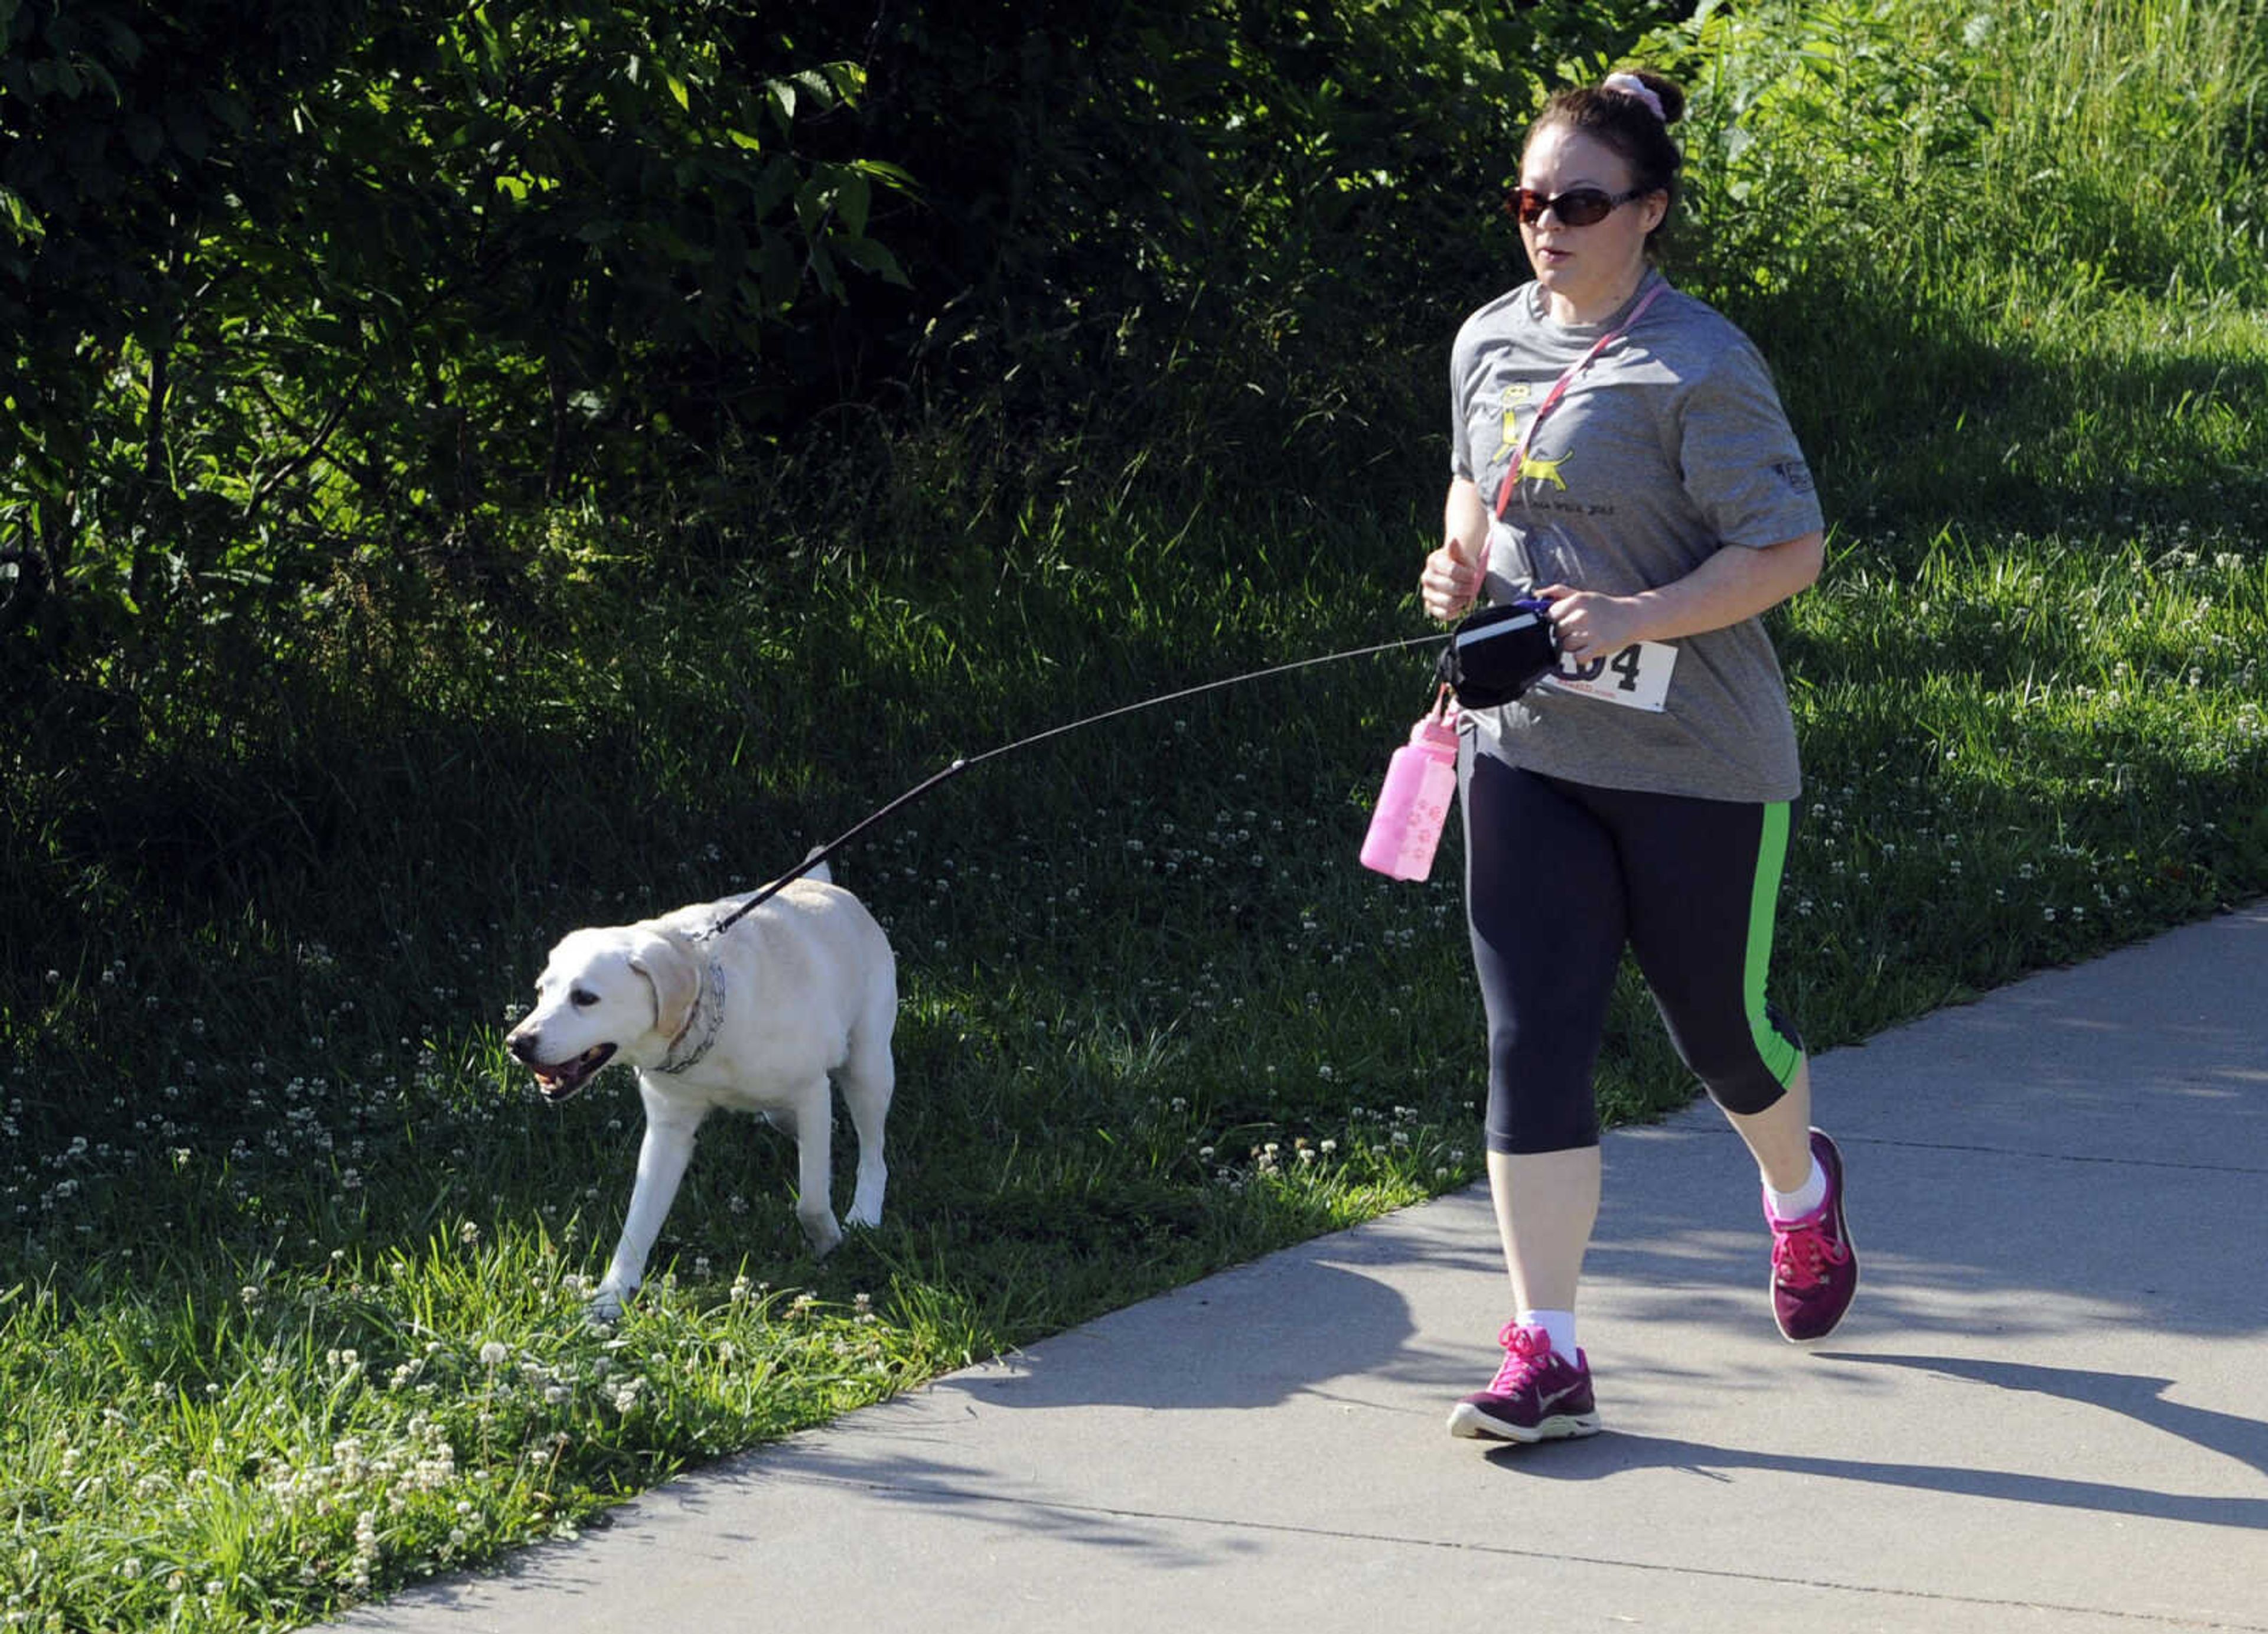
pixel 292 1262
pixel 322 1254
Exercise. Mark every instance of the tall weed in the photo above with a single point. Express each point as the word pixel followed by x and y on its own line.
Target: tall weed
pixel 1925 148
pixel 2003 257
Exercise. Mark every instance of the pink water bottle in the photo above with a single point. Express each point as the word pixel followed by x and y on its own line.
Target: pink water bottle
pixel 1420 782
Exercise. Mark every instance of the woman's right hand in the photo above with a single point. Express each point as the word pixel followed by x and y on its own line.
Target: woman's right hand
pixel 1451 582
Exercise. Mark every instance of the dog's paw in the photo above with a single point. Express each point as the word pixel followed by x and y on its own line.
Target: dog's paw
pixel 820 1234
pixel 604 1308
pixel 860 1219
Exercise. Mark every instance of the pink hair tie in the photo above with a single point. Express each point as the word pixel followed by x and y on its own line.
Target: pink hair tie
pixel 1632 85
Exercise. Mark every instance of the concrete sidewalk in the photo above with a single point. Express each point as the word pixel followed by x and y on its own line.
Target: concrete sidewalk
pixel 2048 1410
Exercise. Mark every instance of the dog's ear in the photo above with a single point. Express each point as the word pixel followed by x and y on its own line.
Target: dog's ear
pixel 675 979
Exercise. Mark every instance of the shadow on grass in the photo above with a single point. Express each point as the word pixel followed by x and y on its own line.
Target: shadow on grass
pixel 1915 416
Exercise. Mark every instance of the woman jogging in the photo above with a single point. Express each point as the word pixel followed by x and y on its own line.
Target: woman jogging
pixel 1618 449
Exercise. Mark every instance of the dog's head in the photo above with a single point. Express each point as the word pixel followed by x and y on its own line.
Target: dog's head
pixel 625 990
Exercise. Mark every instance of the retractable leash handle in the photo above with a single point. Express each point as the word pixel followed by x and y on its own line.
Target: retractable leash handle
pixel 1496 654
pixel 819 854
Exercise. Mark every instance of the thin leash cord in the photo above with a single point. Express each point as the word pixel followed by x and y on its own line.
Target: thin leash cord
pixel 823 853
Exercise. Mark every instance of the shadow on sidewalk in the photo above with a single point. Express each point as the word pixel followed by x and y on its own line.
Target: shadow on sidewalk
pixel 1252 1338
pixel 2136 1397
pixel 2132 1395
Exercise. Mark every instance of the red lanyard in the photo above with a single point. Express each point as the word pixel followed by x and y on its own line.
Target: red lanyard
pixel 1559 390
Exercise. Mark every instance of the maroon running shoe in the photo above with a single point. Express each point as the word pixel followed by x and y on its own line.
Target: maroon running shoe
pixel 1814 1269
pixel 1537 1395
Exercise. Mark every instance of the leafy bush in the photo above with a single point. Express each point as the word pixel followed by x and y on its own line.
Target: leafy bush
pixel 311 280
pixel 283 282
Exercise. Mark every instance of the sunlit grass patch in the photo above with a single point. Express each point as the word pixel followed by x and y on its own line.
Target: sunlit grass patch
pixel 2021 748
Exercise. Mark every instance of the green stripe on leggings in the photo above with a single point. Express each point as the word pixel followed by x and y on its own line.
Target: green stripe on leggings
pixel 1781 1058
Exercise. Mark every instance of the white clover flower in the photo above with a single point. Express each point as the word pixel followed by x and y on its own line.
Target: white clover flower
pixel 494 1354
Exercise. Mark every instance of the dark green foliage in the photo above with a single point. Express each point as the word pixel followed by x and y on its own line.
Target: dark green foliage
pixel 285 281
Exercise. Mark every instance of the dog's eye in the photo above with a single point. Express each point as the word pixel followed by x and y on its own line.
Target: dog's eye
pixel 582 998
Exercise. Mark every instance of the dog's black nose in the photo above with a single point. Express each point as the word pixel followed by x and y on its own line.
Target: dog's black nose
pixel 522 1044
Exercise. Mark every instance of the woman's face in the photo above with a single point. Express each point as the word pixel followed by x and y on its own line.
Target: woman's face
pixel 1586 271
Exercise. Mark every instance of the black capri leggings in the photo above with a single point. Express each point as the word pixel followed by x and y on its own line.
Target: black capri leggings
pixel 1559 877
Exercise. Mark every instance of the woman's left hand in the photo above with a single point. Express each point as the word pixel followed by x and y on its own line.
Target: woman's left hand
pixel 1589 625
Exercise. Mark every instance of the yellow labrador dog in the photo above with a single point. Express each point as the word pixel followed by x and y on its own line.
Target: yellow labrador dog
pixel 756 1019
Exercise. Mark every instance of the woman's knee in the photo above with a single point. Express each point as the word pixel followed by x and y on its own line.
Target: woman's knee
pixel 1539 1100
pixel 1745 1095
pixel 1522 1133
pixel 1745 1066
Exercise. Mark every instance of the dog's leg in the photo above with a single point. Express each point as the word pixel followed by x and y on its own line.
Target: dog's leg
pixel 867 1078
pixel 662 1157
pixel 815 1133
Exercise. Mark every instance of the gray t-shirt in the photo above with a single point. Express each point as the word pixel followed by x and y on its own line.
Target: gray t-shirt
pixel 1670 445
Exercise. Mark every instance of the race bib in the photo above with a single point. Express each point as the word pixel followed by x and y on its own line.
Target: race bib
pixel 1637 678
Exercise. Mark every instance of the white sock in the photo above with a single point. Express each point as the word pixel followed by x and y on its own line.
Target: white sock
pixel 1794 1205
pixel 1559 1324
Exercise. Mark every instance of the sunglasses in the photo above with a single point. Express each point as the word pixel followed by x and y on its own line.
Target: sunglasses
pixel 1577 206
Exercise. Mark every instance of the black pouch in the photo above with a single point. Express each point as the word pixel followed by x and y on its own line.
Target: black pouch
pixel 1498 652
